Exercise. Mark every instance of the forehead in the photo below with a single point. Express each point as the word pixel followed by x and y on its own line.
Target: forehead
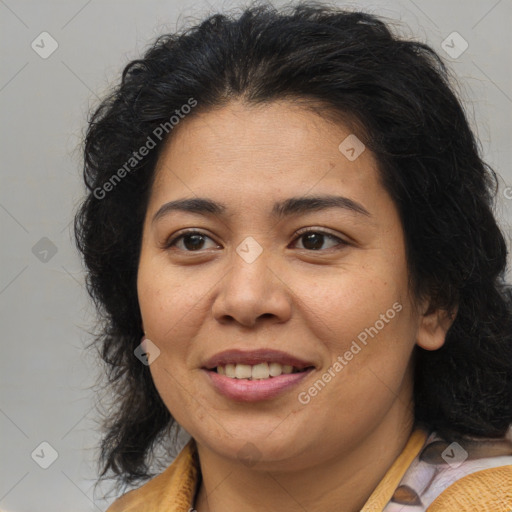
pixel 280 147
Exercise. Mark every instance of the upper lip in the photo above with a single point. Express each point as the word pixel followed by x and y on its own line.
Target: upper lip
pixel 252 357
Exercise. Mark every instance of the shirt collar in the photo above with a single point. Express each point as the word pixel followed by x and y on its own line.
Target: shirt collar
pixel 175 489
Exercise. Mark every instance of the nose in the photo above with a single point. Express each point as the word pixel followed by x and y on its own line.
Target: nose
pixel 252 293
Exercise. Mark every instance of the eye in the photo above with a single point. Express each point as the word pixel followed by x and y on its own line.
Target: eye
pixel 314 239
pixel 189 241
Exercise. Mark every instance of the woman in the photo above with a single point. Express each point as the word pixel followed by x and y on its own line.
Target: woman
pixel 289 236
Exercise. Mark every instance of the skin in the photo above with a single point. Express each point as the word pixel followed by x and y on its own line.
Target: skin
pixel 310 303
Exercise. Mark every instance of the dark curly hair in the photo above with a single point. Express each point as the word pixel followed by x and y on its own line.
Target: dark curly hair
pixel 348 66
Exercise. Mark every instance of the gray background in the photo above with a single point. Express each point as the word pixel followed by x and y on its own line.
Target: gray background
pixel 46 376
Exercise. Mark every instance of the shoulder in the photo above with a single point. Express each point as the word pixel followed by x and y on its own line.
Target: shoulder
pixel 171 490
pixel 485 490
pixel 464 476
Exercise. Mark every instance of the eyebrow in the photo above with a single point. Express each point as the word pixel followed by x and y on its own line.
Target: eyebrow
pixel 280 210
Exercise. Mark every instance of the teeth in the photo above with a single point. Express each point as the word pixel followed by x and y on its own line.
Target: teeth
pixel 243 371
pixel 255 372
pixel 275 369
pixel 260 371
pixel 230 370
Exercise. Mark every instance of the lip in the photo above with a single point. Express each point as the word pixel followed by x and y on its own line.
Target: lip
pixel 252 357
pixel 244 390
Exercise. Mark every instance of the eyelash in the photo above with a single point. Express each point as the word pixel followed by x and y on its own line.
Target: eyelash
pixel 173 240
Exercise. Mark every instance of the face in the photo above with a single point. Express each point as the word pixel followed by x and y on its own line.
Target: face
pixel 323 282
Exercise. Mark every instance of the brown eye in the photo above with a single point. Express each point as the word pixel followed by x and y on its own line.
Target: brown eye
pixel 193 242
pixel 189 242
pixel 314 240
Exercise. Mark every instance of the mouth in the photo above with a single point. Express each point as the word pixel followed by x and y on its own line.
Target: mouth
pixel 260 371
pixel 256 364
pixel 257 375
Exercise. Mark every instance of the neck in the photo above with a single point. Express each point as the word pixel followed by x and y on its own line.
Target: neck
pixel 348 477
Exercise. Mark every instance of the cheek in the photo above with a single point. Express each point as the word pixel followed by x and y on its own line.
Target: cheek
pixel 364 322
pixel 343 302
pixel 166 300
pixel 173 307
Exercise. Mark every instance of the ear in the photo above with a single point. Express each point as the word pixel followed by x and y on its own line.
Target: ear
pixel 434 325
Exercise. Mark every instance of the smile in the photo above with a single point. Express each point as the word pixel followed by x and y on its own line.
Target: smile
pixel 258 371
pixel 244 389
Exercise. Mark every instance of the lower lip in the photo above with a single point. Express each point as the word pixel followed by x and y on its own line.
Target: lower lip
pixel 243 390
